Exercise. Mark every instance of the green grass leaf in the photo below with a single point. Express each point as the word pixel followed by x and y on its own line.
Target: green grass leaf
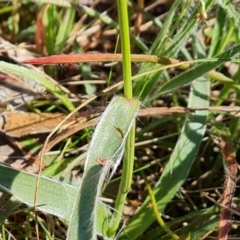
pixel 24 72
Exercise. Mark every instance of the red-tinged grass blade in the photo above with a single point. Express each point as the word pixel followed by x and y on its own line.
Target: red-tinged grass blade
pixel 229 155
pixel 90 57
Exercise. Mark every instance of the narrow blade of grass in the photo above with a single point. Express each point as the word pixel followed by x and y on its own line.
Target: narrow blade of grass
pixel 24 72
pixel 199 70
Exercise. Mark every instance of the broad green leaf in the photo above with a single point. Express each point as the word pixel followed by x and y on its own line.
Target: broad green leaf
pixel 53 197
pixel 105 153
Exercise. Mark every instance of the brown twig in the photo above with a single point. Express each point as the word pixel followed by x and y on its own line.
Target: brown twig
pixel 229 187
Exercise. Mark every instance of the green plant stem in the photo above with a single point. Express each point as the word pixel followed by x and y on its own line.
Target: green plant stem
pixel 156 212
pixel 125 46
pixel 124 184
pixel 129 153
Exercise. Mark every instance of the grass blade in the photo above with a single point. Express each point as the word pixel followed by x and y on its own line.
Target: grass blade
pixel 199 70
pixel 24 72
